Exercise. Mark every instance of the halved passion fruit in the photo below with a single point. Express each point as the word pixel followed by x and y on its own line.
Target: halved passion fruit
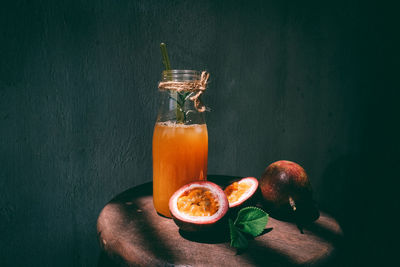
pixel 198 206
pixel 241 191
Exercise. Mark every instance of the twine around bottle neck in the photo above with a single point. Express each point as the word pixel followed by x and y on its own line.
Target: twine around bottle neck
pixel 197 87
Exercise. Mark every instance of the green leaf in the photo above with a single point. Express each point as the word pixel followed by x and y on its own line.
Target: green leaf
pixel 238 240
pixel 251 220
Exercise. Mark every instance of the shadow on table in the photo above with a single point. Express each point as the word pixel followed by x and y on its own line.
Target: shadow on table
pixel 207 238
pixel 121 213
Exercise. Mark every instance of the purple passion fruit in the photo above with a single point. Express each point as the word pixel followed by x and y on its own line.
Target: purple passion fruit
pixel 241 191
pixel 287 191
pixel 198 206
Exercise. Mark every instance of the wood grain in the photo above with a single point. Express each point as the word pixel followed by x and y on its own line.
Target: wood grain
pixel 131 232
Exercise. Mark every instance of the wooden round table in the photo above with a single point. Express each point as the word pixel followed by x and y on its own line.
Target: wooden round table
pixel 131 233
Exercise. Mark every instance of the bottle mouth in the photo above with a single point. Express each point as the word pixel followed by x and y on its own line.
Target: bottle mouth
pixel 180 75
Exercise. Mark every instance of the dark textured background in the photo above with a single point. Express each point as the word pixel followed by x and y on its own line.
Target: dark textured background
pixel 308 82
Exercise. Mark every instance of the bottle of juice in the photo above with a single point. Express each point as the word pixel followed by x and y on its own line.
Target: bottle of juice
pixel 180 139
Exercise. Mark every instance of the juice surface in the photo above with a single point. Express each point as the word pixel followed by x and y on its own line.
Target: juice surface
pixel 179 157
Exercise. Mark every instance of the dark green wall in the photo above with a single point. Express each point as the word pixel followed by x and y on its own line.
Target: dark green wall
pixel 298 81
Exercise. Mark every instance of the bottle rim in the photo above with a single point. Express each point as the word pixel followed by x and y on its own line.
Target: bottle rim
pixel 180 75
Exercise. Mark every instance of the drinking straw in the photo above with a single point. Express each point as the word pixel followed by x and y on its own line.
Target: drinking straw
pixel 165 58
pixel 180 114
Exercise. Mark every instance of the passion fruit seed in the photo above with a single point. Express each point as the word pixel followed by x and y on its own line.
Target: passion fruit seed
pixel 241 191
pixel 198 202
pixel 198 206
pixel 234 191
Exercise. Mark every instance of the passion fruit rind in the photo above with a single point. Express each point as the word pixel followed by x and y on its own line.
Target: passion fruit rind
pixel 242 192
pixel 208 192
pixel 287 193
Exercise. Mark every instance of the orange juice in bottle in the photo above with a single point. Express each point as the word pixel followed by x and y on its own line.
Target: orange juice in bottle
pixel 179 157
pixel 180 138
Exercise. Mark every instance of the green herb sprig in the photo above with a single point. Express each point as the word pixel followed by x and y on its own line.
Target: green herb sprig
pixel 180 105
pixel 249 220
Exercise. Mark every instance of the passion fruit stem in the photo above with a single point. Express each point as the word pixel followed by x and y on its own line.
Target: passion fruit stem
pixel 292 203
pixel 296 214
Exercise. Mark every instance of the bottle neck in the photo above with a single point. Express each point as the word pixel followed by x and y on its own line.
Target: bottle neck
pixel 179 91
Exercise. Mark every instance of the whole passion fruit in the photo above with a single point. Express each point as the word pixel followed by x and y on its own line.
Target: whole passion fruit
pixel 287 192
pixel 241 192
pixel 198 206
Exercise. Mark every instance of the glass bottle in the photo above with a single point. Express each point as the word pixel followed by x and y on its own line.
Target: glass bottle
pixel 180 138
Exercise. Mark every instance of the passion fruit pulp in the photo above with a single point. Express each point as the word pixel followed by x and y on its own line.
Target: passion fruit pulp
pixel 241 191
pixel 198 206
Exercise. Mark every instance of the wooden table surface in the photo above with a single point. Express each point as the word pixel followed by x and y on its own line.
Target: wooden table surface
pixel 132 233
